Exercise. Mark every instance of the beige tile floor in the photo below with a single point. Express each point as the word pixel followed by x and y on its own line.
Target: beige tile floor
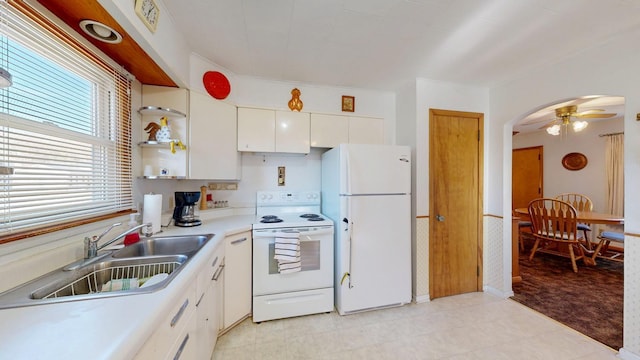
pixel 469 326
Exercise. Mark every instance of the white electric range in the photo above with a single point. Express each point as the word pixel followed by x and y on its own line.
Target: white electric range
pixel 278 293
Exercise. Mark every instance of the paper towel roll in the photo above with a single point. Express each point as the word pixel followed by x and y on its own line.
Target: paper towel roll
pixel 152 211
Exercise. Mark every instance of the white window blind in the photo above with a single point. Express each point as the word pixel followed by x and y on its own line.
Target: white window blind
pixel 64 128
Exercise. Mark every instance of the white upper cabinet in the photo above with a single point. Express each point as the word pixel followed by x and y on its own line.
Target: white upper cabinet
pixel 264 130
pixel 256 130
pixel 365 130
pixel 292 132
pixel 213 151
pixel 328 131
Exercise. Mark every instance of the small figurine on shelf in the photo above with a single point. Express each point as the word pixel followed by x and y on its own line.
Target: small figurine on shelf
pixel 164 133
pixel 152 129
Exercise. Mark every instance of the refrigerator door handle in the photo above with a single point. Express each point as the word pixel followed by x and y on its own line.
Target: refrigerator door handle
pixel 349 230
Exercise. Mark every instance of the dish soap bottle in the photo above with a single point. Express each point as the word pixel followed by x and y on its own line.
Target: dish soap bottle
pixel 133 237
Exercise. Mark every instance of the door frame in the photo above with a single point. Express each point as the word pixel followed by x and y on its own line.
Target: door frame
pixel 480 184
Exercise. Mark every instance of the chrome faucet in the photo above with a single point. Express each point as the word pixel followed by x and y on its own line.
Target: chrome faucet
pixel 91 247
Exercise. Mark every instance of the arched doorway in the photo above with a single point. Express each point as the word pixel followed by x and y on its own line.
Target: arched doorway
pixel 530 131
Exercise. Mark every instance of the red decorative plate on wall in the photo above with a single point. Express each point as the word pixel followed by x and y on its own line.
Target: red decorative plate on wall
pixel 216 84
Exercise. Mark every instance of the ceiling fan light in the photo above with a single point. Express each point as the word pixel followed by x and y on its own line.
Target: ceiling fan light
pixel 554 130
pixel 579 125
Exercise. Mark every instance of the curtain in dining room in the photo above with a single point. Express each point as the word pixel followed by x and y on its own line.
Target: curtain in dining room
pixel 614 163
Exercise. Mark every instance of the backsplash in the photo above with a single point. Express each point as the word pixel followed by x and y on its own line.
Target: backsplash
pixel 259 172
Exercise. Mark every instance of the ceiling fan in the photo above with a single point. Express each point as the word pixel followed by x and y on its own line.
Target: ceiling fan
pixel 564 115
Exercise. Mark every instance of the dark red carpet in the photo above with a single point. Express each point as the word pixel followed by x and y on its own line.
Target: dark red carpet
pixel 589 301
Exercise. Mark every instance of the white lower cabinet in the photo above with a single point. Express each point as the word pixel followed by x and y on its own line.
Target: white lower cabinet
pixel 216 299
pixel 186 346
pixel 175 330
pixel 237 278
pixel 208 306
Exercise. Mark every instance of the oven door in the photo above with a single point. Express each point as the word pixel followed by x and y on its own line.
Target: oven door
pixel 316 258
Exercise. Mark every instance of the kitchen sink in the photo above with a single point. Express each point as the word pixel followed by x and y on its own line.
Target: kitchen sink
pixel 144 267
pixel 92 279
pixel 167 245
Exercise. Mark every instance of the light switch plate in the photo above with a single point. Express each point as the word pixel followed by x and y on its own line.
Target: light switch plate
pixel 281 175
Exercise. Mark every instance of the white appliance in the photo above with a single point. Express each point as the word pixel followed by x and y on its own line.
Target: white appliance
pixel 366 191
pixel 308 291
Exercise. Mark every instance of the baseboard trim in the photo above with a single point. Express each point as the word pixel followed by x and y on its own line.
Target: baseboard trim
pixel 422 299
pixel 628 355
pixel 498 293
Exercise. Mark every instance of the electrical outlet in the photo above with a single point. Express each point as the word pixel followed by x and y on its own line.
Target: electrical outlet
pixel 281 172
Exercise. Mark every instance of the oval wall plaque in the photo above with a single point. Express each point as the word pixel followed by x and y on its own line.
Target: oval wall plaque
pixel 574 161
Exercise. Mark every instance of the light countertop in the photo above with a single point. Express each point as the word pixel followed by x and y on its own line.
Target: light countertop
pixel 110 328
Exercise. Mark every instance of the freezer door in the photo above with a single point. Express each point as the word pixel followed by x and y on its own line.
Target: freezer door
pixel 374 249
pixel 375 169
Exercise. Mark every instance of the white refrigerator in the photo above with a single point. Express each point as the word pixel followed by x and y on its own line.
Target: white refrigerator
pixel 366 191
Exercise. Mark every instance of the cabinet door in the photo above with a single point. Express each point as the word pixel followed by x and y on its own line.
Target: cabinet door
pixel 292 132
pixel 363 130
pixel 208 304
pixel 185 347
pixel 213 152
pixel 329 131
pixel 237 278
pixel 256 130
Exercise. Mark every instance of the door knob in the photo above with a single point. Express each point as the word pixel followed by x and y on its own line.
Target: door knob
pixel 439 218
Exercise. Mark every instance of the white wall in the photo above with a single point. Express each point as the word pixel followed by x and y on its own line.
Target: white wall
pixel 591 180
pixel 259 171
pixel 446 96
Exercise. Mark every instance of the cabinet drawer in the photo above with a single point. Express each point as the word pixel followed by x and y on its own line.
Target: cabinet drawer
pixel 184 348
pixel 206 274
pixel 176 318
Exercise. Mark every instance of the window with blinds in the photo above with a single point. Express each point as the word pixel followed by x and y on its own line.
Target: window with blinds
pixel 65 135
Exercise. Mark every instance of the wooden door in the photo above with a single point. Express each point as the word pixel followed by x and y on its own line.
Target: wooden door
pixel 526 176
pixel 455 193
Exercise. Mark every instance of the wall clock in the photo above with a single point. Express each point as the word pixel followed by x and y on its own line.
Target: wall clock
pixel 149 12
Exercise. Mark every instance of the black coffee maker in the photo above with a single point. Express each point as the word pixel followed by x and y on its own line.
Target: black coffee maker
pixel 184 212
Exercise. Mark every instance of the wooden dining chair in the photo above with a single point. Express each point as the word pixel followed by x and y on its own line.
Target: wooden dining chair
pixel 581 203
pixel 602 249
pixel 555 226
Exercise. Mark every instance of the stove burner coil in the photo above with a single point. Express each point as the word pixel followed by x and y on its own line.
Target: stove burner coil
pixel 271 220
pixel 309 216
pixel 315 218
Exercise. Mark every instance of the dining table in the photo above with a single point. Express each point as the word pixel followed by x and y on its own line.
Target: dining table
pixel 585 217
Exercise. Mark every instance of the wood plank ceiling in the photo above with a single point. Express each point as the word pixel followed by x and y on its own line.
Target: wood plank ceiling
pixel 127 53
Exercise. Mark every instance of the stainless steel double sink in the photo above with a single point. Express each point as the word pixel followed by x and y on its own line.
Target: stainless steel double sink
pixel 146 266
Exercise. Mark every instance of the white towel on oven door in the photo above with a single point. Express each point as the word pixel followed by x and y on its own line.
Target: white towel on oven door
pixel 287 251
